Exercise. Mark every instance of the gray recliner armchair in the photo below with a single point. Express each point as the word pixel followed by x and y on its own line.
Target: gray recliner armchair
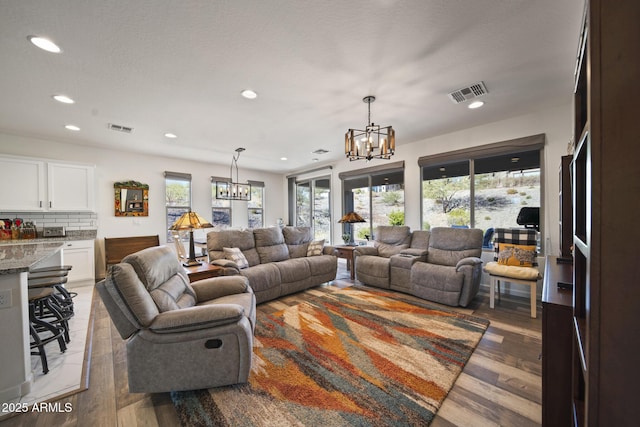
pixel 453 268
pixel 180 336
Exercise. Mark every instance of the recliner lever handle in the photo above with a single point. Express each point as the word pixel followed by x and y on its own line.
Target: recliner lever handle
pixel 215 343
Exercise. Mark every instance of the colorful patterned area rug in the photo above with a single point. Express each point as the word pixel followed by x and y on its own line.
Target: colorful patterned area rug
pixel 352 357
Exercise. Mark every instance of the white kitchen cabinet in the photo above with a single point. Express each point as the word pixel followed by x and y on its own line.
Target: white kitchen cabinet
pixel 32 185
pixel 23 184
pixel 70 187
pixel 80 255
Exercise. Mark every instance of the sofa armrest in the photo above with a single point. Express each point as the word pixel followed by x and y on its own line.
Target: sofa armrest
pixel 218 287
pixel 196 318
pixel 471 261
pixel 365 250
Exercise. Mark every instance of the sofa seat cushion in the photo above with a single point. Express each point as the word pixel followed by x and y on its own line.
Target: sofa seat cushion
pixel 446 257
pixel 262 277
pixel 293 270
pixel 322 265
pixel 522 273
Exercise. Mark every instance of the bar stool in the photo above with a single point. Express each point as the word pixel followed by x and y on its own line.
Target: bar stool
pixel 43 332
pixel 58 308
pixel 54 277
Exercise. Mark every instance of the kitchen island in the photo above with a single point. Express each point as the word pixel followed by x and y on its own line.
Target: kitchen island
pixel 15 261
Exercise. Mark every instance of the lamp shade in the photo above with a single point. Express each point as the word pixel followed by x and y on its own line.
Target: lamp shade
pixel 190 221
pixel 351 217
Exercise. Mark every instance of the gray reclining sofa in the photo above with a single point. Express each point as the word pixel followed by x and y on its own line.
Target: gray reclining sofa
pixel 441 265
pixel 277 258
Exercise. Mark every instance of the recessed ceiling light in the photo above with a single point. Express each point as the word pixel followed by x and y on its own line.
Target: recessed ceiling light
pixel 170 135
pixel 64 99
pixel 249 94
pixel 442 169
pixel 45 44
pixel 476 104
pixel 283 158
pixel 315 159
pixel 72 127
pixel 515 159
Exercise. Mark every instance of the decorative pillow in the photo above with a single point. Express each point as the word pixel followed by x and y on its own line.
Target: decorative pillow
pixel 236 255
pixel 315 248
pixel 516 255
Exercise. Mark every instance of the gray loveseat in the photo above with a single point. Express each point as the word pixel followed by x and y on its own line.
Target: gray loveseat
pixel 180 336
pixel 447 272
pixel 277 259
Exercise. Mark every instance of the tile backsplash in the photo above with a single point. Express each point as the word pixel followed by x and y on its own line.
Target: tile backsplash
pixel 72 221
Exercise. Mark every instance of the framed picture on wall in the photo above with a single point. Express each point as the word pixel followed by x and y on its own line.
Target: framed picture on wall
pixel 131 198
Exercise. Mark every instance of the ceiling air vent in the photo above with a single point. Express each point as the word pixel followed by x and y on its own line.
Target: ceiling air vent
pixel 119 128
pixel 320 151
pixel 466 93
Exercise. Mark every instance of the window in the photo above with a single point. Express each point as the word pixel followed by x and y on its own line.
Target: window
pixel 255 206
pixel 377 195
pixel 220 209
pixel 177 197
pixel 484 187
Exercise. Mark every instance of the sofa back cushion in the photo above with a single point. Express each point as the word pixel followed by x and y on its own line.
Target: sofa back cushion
pixel 297 240
pixel 241 239
pixel 270 244
pixel 420 239
pixel 392 239
pixel 447 246
pixel 159 270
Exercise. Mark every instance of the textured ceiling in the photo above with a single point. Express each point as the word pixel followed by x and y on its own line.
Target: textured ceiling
pixel 179 66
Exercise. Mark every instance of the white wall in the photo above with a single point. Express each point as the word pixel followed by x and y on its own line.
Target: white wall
pixel 114 166
pixel 555 123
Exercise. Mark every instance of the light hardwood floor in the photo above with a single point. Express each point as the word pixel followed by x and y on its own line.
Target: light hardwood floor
pixel 501 384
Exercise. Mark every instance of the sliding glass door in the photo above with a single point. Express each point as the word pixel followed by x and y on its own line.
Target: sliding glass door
pixel 313 208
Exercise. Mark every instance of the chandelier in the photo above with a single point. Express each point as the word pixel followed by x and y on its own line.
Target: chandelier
pixel 230 190
pixel 375 142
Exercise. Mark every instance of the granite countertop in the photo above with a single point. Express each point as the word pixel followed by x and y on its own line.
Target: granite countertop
pixel 18 257
pixel 71 235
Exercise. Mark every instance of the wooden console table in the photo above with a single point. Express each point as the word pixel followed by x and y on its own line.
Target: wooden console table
pixel 346 252
pixel 557 343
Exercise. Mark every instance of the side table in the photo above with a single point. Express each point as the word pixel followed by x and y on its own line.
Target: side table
pixel 203 271
pixel 346 252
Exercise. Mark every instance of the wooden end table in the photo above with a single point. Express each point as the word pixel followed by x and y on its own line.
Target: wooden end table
pixel 203 271
pixel 346 252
